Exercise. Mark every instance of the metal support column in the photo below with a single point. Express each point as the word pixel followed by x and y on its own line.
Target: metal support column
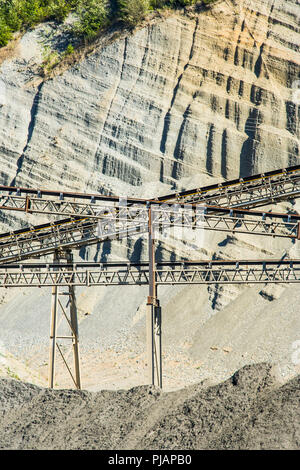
pixel 75 339
pixel 68 319
pixel 53 328
pixel 154 350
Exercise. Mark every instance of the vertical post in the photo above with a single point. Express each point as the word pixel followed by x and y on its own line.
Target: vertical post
pixel 53 331
pixel 150 342
pixel 74 329
pixel 74 324
pixel 53 326
pixel 154 356
pixel 68 313
pixel 157 339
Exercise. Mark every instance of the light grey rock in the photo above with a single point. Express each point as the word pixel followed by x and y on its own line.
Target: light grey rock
pixel 183 101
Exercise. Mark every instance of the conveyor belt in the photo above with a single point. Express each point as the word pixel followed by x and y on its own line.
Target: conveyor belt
pixel 253 191
pixel 77 232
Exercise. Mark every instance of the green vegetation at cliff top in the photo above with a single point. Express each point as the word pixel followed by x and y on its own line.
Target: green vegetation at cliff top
pixel 92 16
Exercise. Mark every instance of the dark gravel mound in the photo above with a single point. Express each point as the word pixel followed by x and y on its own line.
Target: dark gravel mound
pixel 248 411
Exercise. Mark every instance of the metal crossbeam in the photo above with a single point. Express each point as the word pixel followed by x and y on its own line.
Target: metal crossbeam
pixel 226 220
pixel 67 234
pixel 69 204
pixel 118 274
pixel 118 223
pixel 258 190
pixel 253 191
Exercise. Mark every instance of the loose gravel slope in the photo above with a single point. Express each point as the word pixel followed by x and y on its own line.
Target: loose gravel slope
pixel 248 411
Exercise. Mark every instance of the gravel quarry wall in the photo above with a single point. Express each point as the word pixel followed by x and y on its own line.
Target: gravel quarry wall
pixel 184 95
pixel 250 410
pixel 185 100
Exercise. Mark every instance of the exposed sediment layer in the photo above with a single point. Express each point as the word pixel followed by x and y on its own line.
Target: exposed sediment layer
pixel 184 100
pixel 208 92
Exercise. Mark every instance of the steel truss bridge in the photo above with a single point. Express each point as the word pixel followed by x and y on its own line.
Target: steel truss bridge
pixel 91 218
pixel 253 191
pixel 76 232
pixel 137 274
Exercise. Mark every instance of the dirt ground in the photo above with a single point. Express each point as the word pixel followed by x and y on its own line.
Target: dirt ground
pixel 250 410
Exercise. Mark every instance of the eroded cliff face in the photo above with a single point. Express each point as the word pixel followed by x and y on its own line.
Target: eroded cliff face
pixel 184 100
pixel 185 95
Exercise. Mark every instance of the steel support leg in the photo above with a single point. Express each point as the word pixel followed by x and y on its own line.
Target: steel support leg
pixel 154 354
pixel 68 318
pixel 74 329
pixel 53 328
pixel 157 344
pixel 150 343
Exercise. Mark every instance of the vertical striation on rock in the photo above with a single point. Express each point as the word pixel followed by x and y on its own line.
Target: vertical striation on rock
pixel 205 92
pixel 184 98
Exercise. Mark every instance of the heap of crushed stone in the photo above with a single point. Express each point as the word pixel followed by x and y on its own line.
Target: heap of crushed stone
pixel 248 411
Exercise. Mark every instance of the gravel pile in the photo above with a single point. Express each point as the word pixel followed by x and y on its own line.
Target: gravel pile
pixel 248 411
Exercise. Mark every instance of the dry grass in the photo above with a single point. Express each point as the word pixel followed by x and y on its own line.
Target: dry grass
pixel 11 50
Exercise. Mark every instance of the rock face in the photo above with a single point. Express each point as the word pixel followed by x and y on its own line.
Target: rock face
pixel 185 99
pixel 208 92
